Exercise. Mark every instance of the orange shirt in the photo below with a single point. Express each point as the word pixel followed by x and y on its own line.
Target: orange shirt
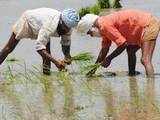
pixel 124 25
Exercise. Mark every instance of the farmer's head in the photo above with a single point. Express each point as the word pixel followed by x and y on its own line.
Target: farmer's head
pixel 88 25
pixel 69 19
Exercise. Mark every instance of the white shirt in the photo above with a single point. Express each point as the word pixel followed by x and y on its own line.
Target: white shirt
pixel 43 23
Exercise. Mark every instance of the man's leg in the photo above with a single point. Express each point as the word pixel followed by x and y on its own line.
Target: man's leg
pixel 147 53
pixel 8 48
pixel 131 51
pixel 46 62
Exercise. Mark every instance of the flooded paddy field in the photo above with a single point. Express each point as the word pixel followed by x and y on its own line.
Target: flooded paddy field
pixel 26 94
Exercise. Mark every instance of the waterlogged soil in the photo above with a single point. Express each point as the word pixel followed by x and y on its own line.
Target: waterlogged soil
pixel 26 94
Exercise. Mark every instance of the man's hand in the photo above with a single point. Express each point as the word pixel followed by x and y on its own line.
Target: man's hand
pixel 106 62
pixel 67 60
pixel 91 72
pixel 60 65
pixel 102 54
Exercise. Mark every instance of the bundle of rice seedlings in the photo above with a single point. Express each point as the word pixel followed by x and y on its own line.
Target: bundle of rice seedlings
pixel 91 69
pixel 83 57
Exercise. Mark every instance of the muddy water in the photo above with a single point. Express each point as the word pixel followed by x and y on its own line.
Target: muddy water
pixel 27 95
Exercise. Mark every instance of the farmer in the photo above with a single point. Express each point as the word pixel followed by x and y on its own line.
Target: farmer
pixel 42 24
pixel 128 29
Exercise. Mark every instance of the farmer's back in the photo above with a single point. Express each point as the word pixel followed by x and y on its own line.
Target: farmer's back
pixel 130 23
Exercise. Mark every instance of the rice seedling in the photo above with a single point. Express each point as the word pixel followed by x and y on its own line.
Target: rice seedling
pixel 12 60
pixel 11 102
pixel 68 83
pixel 48 96
pixel 83 57
pixel 69 107
pixel 92 69
pixel 84 62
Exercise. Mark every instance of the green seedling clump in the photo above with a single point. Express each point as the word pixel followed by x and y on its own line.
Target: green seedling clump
pixel 83 57
pixel 99 7
pixel 84 11
pixel 95 9
pixel 103 4
pixel 91 69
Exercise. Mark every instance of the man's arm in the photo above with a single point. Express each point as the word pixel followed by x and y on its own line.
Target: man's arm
pixel 43 38
pixel 46 62
pixel 113 34
pixel 102 54
pixel 66 44
pixel 48 56
pixel 106 62
pixel 66 51
pixel 106 43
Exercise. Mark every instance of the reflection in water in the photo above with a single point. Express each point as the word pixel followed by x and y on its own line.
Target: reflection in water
pixel 141 107
pixel 150 103
pixel 89 99
pixel 101 88
pixel 109 98
pixel 69 107
pixel 135 100
pixel 40 101
pixel 48 91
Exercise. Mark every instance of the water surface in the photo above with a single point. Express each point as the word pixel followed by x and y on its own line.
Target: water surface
pixel 25 94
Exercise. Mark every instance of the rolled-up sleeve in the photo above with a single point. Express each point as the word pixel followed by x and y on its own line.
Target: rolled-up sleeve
pixel 47 30
pixel 113 34
pixel 43 39
pixel 66 39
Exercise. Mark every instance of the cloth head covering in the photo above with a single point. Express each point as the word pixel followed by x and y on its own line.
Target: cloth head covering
pixel 70 17
pixel 86 23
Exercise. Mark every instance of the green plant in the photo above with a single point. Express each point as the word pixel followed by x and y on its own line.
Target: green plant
pixel 95 9
pixel 12 59
pixel 84 11
pixel 116 4
pixel 90 69
pixel 103 4
pixel 83 57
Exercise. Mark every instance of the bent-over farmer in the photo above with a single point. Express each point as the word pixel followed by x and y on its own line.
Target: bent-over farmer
pixel 42 24
pixel 130 30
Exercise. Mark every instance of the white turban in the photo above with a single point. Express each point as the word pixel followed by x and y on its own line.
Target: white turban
pixel 86 23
